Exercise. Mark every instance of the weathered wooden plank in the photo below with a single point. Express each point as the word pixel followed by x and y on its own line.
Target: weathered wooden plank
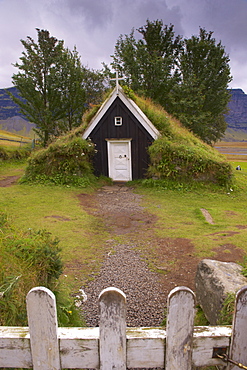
pixel 205 338
pixel 42 321
pixel 180 326
pixel 112 329
pixel 15 347
pixel 145 347
pixel 238 349
pixel 79 346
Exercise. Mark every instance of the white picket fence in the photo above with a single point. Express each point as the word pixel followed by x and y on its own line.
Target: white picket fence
pixel 44 345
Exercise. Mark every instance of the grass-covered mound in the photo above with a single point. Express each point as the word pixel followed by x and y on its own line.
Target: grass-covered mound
pixel 178 154
pixel 67 161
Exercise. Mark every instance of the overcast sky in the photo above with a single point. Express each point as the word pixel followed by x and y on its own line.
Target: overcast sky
pixel 94 26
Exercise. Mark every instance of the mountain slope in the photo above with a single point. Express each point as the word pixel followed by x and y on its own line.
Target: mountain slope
pixel 237 116
pixel 10 117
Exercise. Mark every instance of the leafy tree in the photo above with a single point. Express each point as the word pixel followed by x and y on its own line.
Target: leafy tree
pixel 200 100
pixel 52 85
pixel 189 77
pixel 94 84
pixel 70 80
pixel 150 63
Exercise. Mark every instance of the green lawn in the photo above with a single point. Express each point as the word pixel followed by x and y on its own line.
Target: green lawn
pixel 82 236
pixel 58 210
pixel 179 215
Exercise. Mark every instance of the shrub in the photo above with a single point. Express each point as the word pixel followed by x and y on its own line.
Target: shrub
pixel 64 162
pixel 9 153
pixel 187 161
pixel 29 259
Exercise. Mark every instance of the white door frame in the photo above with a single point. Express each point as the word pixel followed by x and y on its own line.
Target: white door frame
pixel 111 161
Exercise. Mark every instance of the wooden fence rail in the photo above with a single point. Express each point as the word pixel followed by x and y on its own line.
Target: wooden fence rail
pixel 44 345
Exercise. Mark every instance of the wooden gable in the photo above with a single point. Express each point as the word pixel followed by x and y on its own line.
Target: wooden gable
pixel 122 134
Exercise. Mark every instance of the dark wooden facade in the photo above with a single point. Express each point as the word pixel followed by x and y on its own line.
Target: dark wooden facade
pixel 131 128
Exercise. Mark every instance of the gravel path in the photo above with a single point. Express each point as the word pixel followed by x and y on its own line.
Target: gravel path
pixel 124 267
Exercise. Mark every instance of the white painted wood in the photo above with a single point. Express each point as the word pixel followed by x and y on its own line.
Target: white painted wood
pixel 79 348
pixel 119 159
pixel 112 304
pixel 205 338
pixel 180 325
pixel 117 78
pixel 15 347
pixel 145 347
pixel 132 106
pixel 238 349
pixel 42 321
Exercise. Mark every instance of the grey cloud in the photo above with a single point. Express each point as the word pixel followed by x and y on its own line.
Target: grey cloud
pixel 94 26
pixel 96 14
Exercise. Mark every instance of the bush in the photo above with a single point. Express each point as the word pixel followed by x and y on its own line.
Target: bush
pixel 186 161
pixel 29 259
pixel 14 154
pixel 64 162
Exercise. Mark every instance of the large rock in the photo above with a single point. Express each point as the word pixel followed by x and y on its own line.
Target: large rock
pixel 213 281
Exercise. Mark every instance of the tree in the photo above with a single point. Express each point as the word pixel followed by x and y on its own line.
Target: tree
pixel 189 77
pixel 200 100
pixel 150 63
pixel 52 85
pixel 70 88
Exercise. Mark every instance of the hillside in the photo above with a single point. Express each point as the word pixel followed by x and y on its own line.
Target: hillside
pixel 17 125
pixel 8 108
pixel 237 116
pixel 10 117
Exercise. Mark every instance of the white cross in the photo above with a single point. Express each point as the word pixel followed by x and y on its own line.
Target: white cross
pixel 117 79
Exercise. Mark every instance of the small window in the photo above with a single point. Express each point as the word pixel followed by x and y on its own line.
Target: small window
pixel 118 121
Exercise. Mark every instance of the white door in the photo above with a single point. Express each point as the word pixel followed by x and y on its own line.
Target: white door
pixel 119 160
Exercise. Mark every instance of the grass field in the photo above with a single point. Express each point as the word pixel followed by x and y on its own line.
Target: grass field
pixel 234 151
pixel 83 237
pixel 13 140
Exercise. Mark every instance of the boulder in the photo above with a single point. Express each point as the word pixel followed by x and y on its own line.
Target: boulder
pixel 213 281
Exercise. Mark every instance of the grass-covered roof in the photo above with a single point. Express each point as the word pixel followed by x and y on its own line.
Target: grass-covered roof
pixel 178 153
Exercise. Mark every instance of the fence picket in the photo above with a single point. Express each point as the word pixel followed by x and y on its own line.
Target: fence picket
pixel 44 346
pixel 42 321
pixel 238 348
pixel 180 325
pixel 112 328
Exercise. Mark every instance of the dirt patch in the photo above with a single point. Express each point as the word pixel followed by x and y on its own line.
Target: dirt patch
pixel 223 234
pixel 174 260
pixel 55 218
pixel 228 253
pixel 8 181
